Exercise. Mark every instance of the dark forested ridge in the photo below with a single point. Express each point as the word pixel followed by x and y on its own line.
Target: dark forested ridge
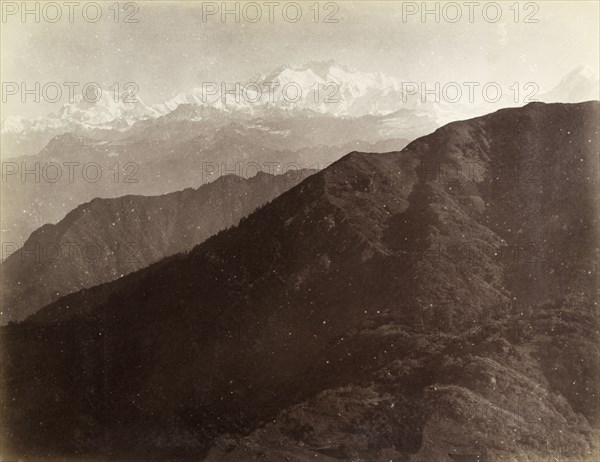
pixel 105 239
pixel 430 304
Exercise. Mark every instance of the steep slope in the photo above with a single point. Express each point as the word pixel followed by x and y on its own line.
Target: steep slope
pixel 376 310
pixel 107 238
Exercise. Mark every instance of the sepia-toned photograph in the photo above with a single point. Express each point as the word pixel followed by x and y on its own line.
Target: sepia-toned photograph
pixel 300 231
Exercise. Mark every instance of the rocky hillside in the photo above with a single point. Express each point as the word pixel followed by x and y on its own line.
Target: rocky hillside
pixel 437 303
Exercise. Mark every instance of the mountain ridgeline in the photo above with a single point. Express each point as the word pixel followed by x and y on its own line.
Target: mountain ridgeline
pixel 105 239
pixel 429 304
pixel 169 154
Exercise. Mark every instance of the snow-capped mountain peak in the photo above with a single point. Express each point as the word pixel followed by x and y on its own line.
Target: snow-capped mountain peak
pixel 584 71
pixel 323 87
pixel 581 84
pixel 319 86
pixel 14 124
pixel 104 108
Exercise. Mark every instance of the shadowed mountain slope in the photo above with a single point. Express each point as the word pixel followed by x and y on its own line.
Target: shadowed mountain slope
pixel 105 239
pixel 402 306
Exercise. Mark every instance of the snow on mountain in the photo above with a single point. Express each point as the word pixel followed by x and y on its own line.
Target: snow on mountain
pixel 106 110
pixel 17 124
pixel 99 111
pixel 14 124
pixel 108 117
pixel 323 87
pixel 579 85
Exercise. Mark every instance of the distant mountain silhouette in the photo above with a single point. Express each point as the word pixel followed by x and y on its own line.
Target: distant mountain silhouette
pixel 406 306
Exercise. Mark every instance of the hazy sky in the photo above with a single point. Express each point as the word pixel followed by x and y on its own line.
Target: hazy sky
pixel 170 49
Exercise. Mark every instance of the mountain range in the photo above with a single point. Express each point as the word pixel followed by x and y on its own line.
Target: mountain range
pixel 351 93
pixel 430 303
pixel 318 87
pixel 199 137
pixel 73 169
